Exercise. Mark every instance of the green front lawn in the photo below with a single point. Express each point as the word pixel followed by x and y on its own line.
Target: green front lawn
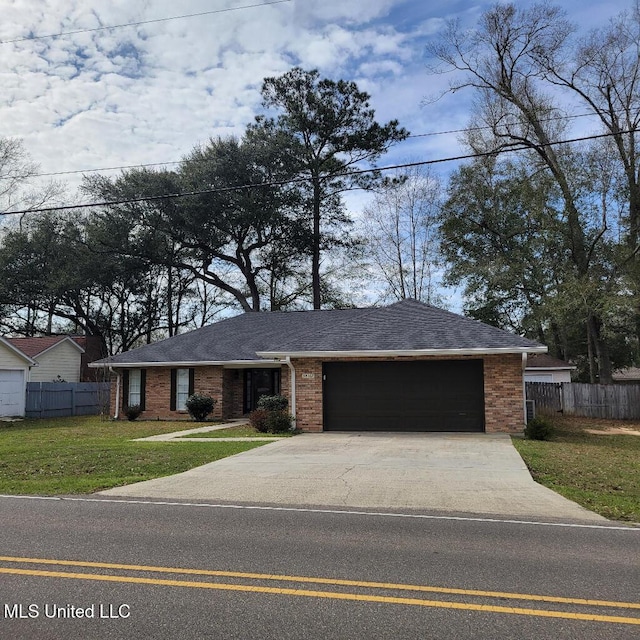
pixel 600 472
pixel 87 454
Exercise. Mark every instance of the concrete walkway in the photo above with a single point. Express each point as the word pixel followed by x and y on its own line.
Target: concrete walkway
pixel 461 473
pixel 179 436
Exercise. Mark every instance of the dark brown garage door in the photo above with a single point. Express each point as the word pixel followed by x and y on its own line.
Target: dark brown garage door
pixel 443 395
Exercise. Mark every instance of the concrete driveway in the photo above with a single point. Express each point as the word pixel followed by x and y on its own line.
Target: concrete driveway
pixel 461 473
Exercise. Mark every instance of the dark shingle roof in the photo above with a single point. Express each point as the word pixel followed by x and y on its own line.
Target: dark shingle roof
pixel 404 326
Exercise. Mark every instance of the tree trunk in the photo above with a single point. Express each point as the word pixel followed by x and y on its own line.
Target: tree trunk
pixel 169 295
pixel 315 252
pixel 591 357
pixel 602 350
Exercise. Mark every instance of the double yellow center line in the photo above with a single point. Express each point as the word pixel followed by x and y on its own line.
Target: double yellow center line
pixel 336 595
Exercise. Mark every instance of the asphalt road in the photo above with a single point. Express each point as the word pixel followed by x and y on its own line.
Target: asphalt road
pixel 192 571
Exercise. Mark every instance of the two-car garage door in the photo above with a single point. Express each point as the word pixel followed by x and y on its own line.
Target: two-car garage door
pixel 12 392
pixel 419 395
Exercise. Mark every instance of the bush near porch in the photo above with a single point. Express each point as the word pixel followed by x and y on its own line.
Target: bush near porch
pixel 594 462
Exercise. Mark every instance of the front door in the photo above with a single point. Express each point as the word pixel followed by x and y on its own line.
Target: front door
pixel 258 383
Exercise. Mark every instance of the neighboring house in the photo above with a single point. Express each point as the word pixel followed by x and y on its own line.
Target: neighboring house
pixel 43 359
pixel 57 357
pixel 14 375
pixel 542 367
pixel 405 367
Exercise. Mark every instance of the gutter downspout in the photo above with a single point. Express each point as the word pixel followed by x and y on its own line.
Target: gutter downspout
pixel 292 384
pixel 116 414
pixel 524 385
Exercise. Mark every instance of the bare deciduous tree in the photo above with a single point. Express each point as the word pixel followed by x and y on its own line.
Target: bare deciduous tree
pixel 18 188
pixel 508 61
pixel 401 231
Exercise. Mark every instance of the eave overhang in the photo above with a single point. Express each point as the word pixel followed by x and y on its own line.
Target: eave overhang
pixel 21 354
pixel 569 368
pixel 392 353
pixel 174 364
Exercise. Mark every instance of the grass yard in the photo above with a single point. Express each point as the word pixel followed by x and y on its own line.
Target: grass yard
pixel 242 431
pixel 87 454
pixel 600 471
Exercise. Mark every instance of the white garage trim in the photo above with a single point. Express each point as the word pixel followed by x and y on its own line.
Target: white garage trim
pixel 15 368
pixel 13 392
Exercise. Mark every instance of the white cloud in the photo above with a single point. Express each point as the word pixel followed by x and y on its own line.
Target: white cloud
pixel 150 92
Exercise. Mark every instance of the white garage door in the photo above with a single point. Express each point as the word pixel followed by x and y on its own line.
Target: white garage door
pixel 12 392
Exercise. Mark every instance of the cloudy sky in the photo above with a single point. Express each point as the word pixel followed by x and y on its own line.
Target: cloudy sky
pixel 149 92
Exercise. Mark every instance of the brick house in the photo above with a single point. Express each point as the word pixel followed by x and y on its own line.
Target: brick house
pixel 405 367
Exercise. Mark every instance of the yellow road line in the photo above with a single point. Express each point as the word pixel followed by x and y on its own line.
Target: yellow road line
pixel 566 615
pixel 327 581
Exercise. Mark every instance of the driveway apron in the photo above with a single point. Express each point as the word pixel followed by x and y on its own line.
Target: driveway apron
pixel 461 473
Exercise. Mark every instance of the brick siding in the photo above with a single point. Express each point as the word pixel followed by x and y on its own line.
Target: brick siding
pixel 225 386
pixel 503 391
pixel 207 380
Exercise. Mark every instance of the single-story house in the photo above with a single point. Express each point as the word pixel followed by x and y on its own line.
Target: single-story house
pixel 43 359
pixel 541 367
pixel 406 367
pixel 15 366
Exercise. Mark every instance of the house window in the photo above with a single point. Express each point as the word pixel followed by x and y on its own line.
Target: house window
pixel 134 387
pixel 182 389
pixel 134 381
pixel 182 386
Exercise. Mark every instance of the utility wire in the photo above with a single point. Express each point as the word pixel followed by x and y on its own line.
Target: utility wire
pixel 141 22
pixel 280 183
pixel 484 128
pixel 172 162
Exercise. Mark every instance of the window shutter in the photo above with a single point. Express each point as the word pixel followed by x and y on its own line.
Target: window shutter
pixel 125 388
pixel 143 388
pixel 192 381
pixel 172 399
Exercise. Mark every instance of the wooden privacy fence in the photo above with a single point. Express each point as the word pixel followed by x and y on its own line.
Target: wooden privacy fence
pixel 614 401
pixel 59 399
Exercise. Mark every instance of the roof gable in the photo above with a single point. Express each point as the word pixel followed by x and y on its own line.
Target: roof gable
pixel 34 347
pixel 6 342
pixel 406 326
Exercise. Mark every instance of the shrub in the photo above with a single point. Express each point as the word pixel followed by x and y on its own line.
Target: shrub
pixel 267 421
pixel 258 420
pixel 200 406
pixel 133 412
pixel 539 429
pixel 279 421
pixel 273 403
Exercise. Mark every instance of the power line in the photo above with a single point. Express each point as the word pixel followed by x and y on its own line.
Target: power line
pixel 484 128
pixel 280 183
pixel 172 162
pixel 141 22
